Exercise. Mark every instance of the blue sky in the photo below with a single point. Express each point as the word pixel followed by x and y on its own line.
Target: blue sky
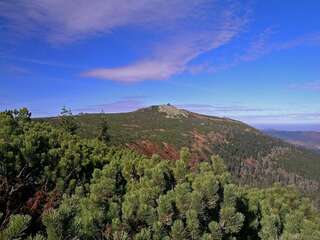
pixel 256 61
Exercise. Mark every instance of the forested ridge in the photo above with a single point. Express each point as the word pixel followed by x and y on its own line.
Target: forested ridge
pixel 251 156
pixel 56 184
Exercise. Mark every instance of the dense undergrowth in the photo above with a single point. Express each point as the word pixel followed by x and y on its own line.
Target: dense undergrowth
pixel 57 185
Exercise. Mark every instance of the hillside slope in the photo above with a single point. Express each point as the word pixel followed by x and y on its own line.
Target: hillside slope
pixel 57 185
pixel 253 157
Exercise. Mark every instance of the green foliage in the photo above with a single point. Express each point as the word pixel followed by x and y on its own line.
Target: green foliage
pixel 92 190
pixel 203 206
pixel 104 131
pixel 16 227
pixel 23 115
pixel 37 237
pixel 178 231
pixel 215 231
pixel 57 222
pixel 252 157
pixel 67 121
pixel 144 234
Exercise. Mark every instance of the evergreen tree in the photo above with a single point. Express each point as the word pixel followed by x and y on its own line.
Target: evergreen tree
pixel 178 231
pixel 67 121
pixel 104 131
pixel 16 227
pixel 78 188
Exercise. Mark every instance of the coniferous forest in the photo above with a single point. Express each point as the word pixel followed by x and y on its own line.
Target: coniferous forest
pixel 180 120
pixel 55 185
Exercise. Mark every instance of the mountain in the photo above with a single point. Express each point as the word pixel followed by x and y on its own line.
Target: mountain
pixel 307 139
pixel 252 157
pixel 55 184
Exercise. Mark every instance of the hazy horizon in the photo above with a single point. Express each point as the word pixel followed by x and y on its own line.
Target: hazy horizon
pixel 261 126
pixel 289 127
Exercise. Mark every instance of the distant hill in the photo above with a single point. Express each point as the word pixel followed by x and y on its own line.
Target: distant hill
pixel 308 139
pixel 252 156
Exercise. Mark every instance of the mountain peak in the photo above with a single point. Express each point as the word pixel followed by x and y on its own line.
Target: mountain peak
pixel 170 110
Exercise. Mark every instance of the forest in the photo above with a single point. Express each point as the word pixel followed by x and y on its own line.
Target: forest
pixel 55 184
pixel 251 156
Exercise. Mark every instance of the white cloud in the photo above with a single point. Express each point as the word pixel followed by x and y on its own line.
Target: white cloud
pixel 259 46
pixel 123 105
pixel 136 72
pixel 188 28
pixel 214 109
pixel 173 55
pixel 311 86
pixel 63 21
pixel 298 117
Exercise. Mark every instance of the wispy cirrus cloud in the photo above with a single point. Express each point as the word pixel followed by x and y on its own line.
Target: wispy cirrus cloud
pixel 223 109
pixel 264 44
pixel 145 70
pixel 254 114
pixel 295 117
pixel 39 62
pixel 312 39
pixel 168 58
pixel 127 104
pixel 259 46
pixel 66 21
pixel 172 55
pixel 311 86
pixel 189 28
pixel 15 70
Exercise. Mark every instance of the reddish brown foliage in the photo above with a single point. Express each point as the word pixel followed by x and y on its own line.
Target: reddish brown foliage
pixel 148 148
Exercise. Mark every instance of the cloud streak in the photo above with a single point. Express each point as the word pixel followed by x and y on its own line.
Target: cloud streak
pixel 40 62
pixel 146 70
pixel 264 45
pixel 189 28
pixel 226 109
pixel 172 55
pixel 66 21
pixel 301 117
pixel 251 114
pixel 123 105
pixel 310 86
pixel 258 47
pixel 14 70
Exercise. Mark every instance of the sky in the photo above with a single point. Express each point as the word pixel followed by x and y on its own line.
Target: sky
pixel 254 61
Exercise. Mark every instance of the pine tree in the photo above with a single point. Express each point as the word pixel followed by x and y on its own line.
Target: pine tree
pixel 181 166
pixel 178 231
pixel 67 121
pixel 16 227
pixel 144 234
pixel 193 224
pixel 104 131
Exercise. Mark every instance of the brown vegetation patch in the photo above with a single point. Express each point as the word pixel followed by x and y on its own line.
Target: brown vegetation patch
pixel 35 203
pixel 148 148
pixel 250 162
pixel 201 148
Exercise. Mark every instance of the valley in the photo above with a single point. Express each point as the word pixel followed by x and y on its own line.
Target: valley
pixel 307 139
